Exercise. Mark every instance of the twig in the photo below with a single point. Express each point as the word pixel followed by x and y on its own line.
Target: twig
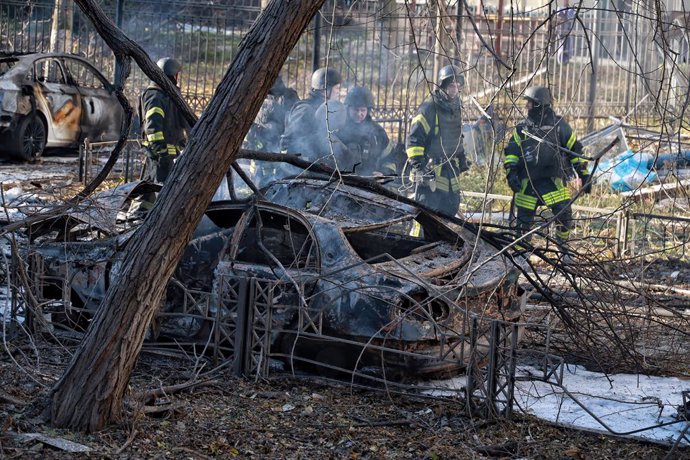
pixel 195 453
pixel 130 440
pixel 163 391
pixel 507 449
pixel 396 422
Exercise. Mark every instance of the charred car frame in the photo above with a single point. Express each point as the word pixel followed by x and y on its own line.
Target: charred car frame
pixel 350 287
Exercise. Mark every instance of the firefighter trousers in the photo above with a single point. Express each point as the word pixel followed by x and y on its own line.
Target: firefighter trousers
pixel 445 196
pixel 445 202
pixel 550 192
pixel 159 167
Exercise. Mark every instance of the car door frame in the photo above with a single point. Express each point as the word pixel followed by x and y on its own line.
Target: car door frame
pixel 60 104
pixel 99 122
pixel 245 222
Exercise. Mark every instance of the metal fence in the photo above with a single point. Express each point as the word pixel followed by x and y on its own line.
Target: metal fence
pixel 605 232
pixel 593 61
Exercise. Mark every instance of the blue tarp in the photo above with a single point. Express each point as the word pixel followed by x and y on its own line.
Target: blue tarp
pixel 630 170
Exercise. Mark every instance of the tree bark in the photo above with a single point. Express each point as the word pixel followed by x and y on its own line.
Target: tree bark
pixel 90 393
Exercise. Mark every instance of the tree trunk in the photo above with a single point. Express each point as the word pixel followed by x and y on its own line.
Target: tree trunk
pixel 55 27
pixel 90 393
pixel 62 24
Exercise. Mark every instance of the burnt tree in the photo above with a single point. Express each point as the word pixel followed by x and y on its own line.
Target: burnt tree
pixel 90 393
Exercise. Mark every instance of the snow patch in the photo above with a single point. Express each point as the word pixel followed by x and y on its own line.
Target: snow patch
pixel 632 405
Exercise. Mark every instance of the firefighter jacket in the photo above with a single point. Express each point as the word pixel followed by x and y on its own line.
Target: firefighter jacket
pixel 301 134
pixel 368 147
pixel 269 125
pixel 436 134
pixel 163 126
pixel 545 146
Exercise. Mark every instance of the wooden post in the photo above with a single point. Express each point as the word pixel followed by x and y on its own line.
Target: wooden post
pixel 499 28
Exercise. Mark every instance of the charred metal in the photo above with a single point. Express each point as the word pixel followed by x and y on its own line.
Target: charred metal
pixel 350 279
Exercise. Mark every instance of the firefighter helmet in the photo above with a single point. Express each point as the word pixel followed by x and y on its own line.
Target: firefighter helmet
pixel 449 73
pixel 325 78
pixel 359 96
pixel 170 67
pixel 539 95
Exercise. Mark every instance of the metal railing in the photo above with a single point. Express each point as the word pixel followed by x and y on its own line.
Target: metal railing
pixel 390 47
pixel 619 231
pixel 92 157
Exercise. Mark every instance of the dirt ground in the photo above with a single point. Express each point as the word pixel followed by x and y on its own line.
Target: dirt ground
pixel 283 417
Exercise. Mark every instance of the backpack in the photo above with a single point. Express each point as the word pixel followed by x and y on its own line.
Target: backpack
pixel 543 158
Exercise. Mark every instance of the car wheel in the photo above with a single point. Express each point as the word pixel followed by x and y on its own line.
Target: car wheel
pixel 30 138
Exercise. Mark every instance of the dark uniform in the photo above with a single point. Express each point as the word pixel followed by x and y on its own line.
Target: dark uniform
pixel 368 145
pixel 436 135
pixel 538 170
pixel 267 129
pixel 300 127
pixel 269 125
pixel 163 127
pixel 370 150
pixel 301 136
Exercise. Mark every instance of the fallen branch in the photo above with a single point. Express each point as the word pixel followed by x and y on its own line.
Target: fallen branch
pixel 12 399
pixel 172 389
pixel 130 440
pixel 149 410
pixel 58 443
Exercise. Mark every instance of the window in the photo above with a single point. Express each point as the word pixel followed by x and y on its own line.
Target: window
pixel 83 75
pixel 49 71
pixel 285 239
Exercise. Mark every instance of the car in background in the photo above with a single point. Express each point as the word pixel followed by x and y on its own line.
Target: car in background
pixel 53 100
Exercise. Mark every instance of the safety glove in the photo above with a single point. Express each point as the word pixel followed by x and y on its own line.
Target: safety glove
pixel 417 164
pixel 586 184
pixel 513 180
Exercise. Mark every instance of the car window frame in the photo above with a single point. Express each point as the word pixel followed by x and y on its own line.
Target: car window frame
pixel 34 76
pixel 246 220
pixel 107 86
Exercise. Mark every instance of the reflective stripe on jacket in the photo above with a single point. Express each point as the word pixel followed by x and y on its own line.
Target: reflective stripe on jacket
pixel 163 127
pixel 520 143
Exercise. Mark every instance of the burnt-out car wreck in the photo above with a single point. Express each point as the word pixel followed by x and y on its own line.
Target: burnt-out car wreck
pixel 313 273
pixel 53 100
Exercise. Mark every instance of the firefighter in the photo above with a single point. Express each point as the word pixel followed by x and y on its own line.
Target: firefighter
pixel 539 158
pixel 434 145
pixel 269 125
pixel 370 151
pixel 163 133
pixel 301 135
pixel 267 129
pixel 163 126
